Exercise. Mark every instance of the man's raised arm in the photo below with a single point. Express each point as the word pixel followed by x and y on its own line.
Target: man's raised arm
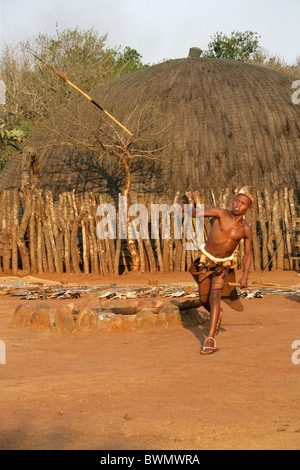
pixel 214 212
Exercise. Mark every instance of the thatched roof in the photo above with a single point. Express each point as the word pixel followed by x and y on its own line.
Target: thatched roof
pixel 220 123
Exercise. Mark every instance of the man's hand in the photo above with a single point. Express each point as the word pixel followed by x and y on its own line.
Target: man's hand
pixel 243 282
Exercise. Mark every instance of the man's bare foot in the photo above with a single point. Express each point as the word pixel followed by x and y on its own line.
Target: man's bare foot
pixel 209 346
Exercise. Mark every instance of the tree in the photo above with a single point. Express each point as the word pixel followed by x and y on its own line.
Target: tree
pixel 33 93
pixel 129 61
pixel 10 140
pixel 238 46
pixel 275 62
pixel 119 155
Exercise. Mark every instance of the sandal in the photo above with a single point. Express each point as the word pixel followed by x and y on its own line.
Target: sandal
pixel 206 350
pixel 219 321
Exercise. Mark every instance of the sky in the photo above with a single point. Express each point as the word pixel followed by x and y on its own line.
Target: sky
pixel 158 29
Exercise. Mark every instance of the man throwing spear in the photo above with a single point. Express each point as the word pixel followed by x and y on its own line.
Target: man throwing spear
pixel 211 269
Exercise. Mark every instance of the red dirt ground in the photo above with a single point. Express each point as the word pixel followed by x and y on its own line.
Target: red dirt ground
pixel 151 389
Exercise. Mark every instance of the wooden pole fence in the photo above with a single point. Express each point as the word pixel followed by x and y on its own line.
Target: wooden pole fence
pixel 41 234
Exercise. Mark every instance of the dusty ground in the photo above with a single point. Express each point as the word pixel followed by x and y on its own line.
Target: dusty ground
pixel 151 389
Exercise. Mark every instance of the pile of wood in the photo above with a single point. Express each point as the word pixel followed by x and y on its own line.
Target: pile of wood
pixel 41 234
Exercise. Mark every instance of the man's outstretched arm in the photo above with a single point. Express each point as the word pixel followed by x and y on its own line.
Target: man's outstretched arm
pixel 214 212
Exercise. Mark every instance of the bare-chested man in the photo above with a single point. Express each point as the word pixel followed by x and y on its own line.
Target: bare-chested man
pixel 228 228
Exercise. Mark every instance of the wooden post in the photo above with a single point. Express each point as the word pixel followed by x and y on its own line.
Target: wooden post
pixel 157 240
pixel 163 243
pixel 270 243
pixel 42 262
pixel 45 225
pixel 255 240
pixel 189 257
pixel 292 206
pixel 200 199
pixel 109 258
pixel 6 237
pixel 263 226
pixel 33 236
pixel 118 247
pixel 92 209
pixel 39 249
pixel 27 205
pixel 277 231
pixel 287 227
pixel 66 218
pixel 131 245
pixel 177 242
pixel 101 252
pixel 111 241
pixel 147 242
pixel 171 242
pixel 14 233
pixel 55 228
pixel 85 237
pixel 283 227
pixel 75 256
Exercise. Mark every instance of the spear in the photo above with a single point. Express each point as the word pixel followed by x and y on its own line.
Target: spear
pixel 60 75
pixel 262 286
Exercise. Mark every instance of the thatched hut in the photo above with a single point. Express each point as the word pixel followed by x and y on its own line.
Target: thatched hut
pixel 211 123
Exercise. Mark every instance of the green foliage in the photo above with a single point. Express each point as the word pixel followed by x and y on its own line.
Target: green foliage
pixel 11 136
pixel 239 46
pixel 129 61
pixel 25 127
pixel 10 140
pixel 33 92
pixel 244 47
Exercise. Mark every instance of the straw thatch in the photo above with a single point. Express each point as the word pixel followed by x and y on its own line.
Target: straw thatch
pixel 219 123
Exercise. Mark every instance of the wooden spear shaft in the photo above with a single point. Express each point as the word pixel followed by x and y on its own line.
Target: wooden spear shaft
pixel 261 286
pixel 60 75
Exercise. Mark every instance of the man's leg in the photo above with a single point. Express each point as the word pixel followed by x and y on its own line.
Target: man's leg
pixel 215 294
pixel 204 291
